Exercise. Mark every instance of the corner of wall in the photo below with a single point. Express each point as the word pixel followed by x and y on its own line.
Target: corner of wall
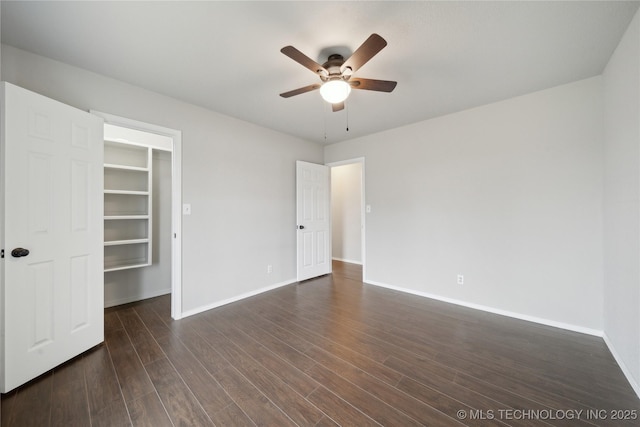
pixel 623 366
pixel 621 205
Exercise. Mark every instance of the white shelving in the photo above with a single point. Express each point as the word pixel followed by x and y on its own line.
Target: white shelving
pixel 127 205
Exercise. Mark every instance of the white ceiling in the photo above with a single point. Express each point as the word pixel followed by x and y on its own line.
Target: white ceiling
pixel 225 56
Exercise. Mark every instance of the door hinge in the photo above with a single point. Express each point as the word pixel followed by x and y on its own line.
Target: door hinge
pixel 1 253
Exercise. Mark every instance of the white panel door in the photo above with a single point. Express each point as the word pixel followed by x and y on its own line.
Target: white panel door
pixel 52 185
pixel 314 220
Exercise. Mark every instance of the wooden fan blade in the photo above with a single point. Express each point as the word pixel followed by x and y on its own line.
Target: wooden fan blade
pixel 337 107
pixel 365 52
pixel 300 90
pixel 304 60
pixel 372 84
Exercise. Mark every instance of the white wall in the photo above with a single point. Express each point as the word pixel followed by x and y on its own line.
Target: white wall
pixel 508 194
pixel 622 203
pixel 346 212
pixel 238 177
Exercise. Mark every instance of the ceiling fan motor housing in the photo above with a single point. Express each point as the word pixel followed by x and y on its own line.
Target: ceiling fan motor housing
pixel 334 67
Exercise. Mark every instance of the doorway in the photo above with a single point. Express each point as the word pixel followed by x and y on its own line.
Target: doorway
pixel 348 212
pixel 167 226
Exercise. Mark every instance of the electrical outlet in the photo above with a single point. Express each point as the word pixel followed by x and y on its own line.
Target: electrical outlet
pixel 460 279
pixel 269 269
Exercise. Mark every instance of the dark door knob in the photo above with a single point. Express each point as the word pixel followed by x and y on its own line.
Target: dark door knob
pixel 19 252
pixel 301 227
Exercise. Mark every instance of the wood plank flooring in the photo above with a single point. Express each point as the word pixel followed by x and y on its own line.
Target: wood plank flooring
pixel 326 352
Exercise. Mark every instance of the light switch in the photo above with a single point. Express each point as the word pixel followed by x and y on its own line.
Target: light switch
pixel 186 209
pixel 368 208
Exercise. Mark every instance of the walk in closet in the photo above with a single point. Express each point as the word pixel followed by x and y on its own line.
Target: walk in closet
pixel 137 214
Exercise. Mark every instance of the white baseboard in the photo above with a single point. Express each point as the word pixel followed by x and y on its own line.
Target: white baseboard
pixel 515 315
pixel 134 298
pixel 234 299
pixel 350 261
pixel 625 370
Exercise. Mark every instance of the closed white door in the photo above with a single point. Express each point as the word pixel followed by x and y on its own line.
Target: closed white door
pixel 314 220
pixel 52 194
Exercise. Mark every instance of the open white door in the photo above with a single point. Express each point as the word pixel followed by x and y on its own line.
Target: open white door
pixel 51 190
pixel 314 220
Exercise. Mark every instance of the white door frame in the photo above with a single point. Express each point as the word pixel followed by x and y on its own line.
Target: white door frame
pixel 176 199
pixel 362 206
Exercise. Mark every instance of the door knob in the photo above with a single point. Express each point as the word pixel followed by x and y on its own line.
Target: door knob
pixel 19 252
pixel 301 227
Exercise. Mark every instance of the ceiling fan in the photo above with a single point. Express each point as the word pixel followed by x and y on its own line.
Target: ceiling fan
pixel 337 74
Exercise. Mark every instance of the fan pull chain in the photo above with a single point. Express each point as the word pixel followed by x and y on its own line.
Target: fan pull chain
pixel 346 107
pixel 325 119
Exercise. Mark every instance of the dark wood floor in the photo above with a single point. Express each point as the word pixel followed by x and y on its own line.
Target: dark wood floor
pixel 329 351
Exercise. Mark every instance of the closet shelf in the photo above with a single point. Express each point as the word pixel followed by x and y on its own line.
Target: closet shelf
pixel 125 167
pixel 129 192
pixel 122 266
pixel 121 141
pixel 125 242
pixel 117 217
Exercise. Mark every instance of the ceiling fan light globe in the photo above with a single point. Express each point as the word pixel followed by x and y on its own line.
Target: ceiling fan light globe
pixel 335 91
